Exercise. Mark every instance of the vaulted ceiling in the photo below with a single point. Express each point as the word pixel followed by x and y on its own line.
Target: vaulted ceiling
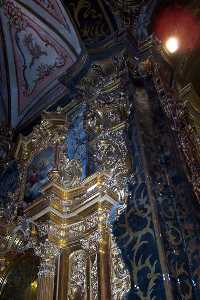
pixel 43 40
pixel 38 44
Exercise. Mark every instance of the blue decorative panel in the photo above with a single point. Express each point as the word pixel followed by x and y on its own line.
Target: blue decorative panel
pixel 135 232
pixel 76 138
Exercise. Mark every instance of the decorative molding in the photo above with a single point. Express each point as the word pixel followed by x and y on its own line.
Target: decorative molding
pixel 38 55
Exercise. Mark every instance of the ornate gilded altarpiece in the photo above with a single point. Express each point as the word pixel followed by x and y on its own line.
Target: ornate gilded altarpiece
pixel 65 221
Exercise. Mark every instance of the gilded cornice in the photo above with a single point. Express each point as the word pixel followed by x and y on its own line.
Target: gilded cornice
pixel 64 202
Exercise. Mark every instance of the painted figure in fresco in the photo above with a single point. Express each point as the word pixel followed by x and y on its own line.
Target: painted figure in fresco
pixel 38 173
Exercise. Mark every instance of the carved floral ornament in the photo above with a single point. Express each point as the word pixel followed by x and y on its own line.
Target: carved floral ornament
pixel 106 93
pixel 105 79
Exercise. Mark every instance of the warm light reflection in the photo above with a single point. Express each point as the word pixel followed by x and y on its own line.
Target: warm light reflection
pixel 178 21
pixel 172 44
pixel 34 284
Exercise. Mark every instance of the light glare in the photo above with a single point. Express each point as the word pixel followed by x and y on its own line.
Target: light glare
pixel 172 44
pixel 34 285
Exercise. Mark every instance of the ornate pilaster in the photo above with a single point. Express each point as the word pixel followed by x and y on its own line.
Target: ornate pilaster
pixel 97 246
pixel 120 278
pixel 105 91
pixel 77 285
pixel 48 252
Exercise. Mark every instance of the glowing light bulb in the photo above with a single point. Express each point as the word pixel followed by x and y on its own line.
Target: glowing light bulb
pixel 172 44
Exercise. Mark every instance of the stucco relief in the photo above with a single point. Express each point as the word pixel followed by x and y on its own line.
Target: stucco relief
pixel 54 9
pixel 40 58
pixel 38 55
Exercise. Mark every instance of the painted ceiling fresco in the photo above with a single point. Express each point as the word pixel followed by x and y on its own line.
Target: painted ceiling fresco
pixel 38 44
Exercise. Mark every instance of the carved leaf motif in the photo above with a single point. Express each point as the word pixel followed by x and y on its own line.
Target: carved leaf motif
pixel 94 279
pixel 120 276
pixel 78 267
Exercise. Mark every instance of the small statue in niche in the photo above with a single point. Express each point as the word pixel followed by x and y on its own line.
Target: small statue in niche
pixel 69 170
